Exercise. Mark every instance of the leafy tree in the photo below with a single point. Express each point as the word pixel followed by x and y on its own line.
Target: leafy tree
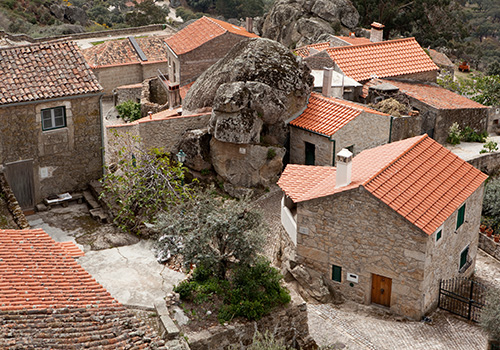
pixel 146 13
pixel 142 184
pixel 129 110
pixel 494 68
pixel 214 232
pixel 482 89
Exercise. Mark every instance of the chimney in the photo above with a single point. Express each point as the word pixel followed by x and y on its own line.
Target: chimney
pixel 249 24
pixel 352 35
pixel 327 82
pixel 344 165
pixel 377 32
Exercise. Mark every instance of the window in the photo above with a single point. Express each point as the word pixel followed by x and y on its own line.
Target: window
pixel 463 259
pixel 461 216
pixel 439 234
pixel 336 273
pixel 53 118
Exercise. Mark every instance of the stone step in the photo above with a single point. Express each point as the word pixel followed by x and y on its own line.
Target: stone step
pixel 89 198
pixel 99 215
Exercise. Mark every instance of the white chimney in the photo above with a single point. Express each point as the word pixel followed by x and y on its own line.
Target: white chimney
pixel 377 32
pixel 344 165
pixel 327 82
pixel 249 24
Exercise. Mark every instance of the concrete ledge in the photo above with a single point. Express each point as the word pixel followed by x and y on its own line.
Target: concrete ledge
pixel 168 327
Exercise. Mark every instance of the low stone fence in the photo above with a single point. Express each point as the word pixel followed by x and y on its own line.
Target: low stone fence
pixel 12 203
pixel 77 36
pixel 489 245
pixel 488 163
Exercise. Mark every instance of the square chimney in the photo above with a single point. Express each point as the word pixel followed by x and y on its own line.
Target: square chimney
pixel 344 166
pixel 377 32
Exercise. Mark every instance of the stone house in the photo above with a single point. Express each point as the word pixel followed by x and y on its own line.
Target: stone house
pixel 387 225
pixel 328 125
pixel 435 109
pixel 127 61
pixel 198 46
pixel 50 136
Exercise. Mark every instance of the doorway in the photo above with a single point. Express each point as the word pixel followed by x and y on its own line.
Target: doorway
pixel 310 153
pixel 20 178
pixel 381 290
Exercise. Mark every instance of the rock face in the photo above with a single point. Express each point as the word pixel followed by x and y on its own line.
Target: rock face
pixel 196 145
pixel 69 14
pixel 302 22
pixel 253 90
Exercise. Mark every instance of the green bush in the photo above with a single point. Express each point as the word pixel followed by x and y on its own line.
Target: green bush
pixel 129 110
pixel 252 292
pixel 488 147
pixel 454 134
pixel 470 135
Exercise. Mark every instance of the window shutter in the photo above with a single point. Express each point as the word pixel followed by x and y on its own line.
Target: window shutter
pixel 336 273
pixel 461 216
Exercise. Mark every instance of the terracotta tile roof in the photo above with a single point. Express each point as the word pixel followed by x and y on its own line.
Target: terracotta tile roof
pixel 44 71
pixel 417 177
pixel 79 328
pixel 355 41
pixel 326 115
pixel 37 273
pixel 435 95
pixel 71 249
pixel 382 59
pixel 201 31
pixel 304 51
pixel 120 52
pixel 183 90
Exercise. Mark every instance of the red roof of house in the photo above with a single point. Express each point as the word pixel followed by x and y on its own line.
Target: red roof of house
pixel 382 59
pixel 120 52
pixel 202 31
pixel 417 177
pixel 44 71
pixel 37 273
pixel 435 95
pixel 328 115
pixel 440 58
pixel 305 51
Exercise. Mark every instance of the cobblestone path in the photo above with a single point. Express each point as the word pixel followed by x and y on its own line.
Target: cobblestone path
pixel 357 330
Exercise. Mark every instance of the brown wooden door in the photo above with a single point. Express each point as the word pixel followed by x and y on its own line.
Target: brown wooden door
pixel 381 290
pixel 20 178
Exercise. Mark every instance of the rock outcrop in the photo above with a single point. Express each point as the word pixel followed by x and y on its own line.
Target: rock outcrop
pixel 301 22
pixel 253 90
pixel 69 14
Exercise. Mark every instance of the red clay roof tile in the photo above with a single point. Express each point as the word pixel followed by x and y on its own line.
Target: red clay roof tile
pixel 435 95
pixel 418 178
pixel 119 52
pixel 382 59
pixel 36 272
pixel 201 31
pixel 326 115
pixel 44 71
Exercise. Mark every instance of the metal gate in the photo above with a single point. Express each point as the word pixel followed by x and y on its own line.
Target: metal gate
pixel 20 178
pixel 463 297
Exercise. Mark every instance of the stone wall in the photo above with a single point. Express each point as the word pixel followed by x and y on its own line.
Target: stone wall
pixel 430 76
pixel 154 97
pixel 64 159
pixel 476 118
pixel 494 120
pixel 488 163
pixel 405 127
pixel 323 151
pixel 365 131
pixel 363 236
pixel 128 93
pixel 443 256
pixel 195 62
pixel 288 323
pixel 489 245
pixel 111 77
pixel 166 133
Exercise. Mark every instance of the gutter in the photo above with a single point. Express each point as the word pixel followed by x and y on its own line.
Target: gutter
pixel 390 129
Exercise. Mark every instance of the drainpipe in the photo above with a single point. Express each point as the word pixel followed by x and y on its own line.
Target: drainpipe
pixel 390 129
pixel 103 147
pixel 334 155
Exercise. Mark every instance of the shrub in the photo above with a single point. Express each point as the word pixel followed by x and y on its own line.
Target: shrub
pixel 490 315
pixel 454 134
pixel 271 153
pixel 470 135
pixel 488 147
pixel 266 341
pixel 129 110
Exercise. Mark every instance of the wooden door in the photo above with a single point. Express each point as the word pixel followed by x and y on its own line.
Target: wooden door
pixel 20 178
pixel 381 290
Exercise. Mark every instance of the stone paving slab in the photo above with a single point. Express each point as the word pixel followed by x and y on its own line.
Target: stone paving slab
pixel 349 324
